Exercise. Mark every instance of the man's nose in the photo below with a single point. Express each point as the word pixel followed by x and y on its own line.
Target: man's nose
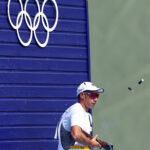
pixel 95 99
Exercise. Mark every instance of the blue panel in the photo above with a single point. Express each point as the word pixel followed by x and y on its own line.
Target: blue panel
pixel 35 105
pixel 42 64
pixel 29 119
pixel 55 38
pixel 29 77
pixel 62 2
pixel 29 145
pixel 73 2
pixel 37 91
pixel 49 51
pixel 32 132
pixel 65 12
pixel 38 84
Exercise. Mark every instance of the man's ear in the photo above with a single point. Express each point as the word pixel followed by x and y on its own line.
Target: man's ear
pixel 81 94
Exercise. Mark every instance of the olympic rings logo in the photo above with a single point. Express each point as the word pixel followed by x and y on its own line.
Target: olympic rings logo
pixel 33 26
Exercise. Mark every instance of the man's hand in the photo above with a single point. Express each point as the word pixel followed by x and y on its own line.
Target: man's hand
pixel 103 144
pixel 94 143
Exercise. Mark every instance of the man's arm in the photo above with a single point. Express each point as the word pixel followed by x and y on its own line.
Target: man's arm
pixel 79 136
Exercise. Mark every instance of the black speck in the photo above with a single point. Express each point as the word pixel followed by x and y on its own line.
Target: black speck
pixel 129 88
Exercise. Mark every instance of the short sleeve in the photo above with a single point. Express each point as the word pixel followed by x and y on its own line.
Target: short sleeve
pixel 77 118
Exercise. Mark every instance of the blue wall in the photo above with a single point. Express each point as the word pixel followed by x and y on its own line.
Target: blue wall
pixel 38 84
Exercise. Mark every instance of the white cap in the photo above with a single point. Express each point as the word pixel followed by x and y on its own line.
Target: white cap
pixel 88 86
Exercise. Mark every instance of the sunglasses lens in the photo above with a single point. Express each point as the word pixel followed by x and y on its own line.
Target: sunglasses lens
pixel 94 95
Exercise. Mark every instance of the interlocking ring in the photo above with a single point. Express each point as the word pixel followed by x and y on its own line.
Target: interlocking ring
pixel 33 26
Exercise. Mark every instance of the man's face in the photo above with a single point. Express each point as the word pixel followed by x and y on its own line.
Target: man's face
pixel 90 99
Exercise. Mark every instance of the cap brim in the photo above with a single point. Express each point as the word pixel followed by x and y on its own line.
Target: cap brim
pixel 101 90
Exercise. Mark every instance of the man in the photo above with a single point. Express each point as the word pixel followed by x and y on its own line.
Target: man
pixel 76 121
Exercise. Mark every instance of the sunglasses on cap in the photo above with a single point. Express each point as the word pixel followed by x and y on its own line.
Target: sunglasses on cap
pixel 92 95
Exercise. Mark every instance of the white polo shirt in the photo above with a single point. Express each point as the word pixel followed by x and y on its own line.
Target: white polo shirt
pixel 74 115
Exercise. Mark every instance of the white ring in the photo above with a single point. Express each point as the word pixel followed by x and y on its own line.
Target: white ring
pixel 8 11
pixel 25 9
pixel 56 20
pixel 31 33
pixel 47 37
